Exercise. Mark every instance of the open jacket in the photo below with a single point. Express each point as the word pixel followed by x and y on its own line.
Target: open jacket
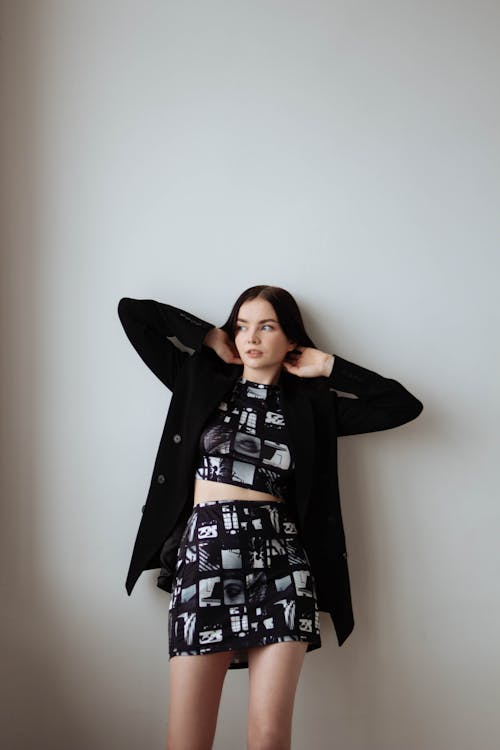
pixel 315 419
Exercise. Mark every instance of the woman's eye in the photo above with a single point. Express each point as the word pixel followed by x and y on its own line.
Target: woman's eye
pixel 266 325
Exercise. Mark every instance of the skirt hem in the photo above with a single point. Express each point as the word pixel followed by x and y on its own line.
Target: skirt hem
pixel 223 647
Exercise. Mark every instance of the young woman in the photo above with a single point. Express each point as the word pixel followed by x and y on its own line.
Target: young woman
pixel 243 513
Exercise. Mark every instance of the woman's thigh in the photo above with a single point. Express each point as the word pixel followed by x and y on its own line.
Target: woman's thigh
pixel 195 688
pixel 274 672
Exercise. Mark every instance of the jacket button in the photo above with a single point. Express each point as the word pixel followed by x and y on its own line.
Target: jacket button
pixel 344 555
pixel 142 510
pixel 160 478
pixel 177 438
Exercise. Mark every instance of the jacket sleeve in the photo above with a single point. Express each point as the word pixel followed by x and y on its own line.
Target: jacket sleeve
pixel 148 323
pixel 381 402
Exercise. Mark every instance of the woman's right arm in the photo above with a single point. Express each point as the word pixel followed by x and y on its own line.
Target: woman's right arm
pixel 148 323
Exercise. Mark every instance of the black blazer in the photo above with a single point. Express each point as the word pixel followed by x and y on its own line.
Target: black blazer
pixel 315 418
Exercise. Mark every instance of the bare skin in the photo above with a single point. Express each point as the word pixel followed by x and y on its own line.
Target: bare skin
pixel 195 689
pixel 205 489
pixel 274 674
pixel 196 682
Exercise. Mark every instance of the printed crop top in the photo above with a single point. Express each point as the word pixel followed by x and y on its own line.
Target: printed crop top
pixel 245 441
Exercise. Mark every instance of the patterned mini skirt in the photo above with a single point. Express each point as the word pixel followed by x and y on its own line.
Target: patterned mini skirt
pixel 242 579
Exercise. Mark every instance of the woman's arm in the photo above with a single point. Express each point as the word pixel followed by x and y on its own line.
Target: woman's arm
pixel 381 402
pixel 147 324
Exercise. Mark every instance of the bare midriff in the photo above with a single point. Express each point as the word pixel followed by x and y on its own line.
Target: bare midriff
pixel 205 489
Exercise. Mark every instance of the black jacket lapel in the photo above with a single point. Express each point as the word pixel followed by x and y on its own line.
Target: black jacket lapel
pixel 299 419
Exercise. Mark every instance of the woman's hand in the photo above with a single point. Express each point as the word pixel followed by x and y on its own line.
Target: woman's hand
pixel 219 341
pixel 309 362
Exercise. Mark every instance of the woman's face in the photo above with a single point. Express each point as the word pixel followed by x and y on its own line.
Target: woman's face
pixel 259 338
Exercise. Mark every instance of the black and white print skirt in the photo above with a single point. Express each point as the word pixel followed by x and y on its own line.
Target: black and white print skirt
pixel 242 579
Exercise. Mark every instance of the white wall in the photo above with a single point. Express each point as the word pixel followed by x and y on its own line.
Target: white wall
pixel 185 151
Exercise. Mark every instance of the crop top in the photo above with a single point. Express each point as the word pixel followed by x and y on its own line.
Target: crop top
pixel 245 441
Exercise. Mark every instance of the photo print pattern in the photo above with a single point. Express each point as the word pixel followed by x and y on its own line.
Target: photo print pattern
pixel 242 579
pixel 245 441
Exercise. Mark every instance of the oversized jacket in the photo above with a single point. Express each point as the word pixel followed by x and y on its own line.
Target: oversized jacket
pixel 315 418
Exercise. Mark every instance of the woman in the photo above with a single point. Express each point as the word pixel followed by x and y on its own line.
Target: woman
pixel 252 542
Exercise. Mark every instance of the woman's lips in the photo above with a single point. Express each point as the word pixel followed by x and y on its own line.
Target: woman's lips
pixel 254 353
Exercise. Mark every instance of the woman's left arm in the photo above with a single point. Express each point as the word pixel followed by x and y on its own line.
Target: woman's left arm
pixel 381 403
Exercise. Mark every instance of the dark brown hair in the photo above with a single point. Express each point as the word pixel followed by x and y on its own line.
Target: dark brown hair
pixel 290 320
pixel 285 307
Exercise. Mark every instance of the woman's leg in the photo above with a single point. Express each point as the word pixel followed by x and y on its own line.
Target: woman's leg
pixel 274 673
pixel 195 688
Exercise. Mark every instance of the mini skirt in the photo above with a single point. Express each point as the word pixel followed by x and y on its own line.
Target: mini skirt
pixel 242 579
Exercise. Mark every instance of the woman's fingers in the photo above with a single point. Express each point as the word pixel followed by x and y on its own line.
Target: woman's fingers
pixel 230 356
pixel 219 341
pixel 309 363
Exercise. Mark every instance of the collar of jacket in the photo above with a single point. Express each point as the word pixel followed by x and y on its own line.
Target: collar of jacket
pixel 297 410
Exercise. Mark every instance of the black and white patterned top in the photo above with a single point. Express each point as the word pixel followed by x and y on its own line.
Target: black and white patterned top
pixel 245 441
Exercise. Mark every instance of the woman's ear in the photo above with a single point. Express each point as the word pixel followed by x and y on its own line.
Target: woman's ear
pixel 289 356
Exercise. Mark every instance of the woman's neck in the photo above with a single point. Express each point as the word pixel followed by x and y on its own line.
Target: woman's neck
pixel 262 377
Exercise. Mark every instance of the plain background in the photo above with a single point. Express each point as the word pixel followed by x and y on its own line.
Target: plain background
pixel 183 151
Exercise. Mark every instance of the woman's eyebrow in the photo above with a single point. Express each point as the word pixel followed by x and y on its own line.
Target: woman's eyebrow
pixel 266 320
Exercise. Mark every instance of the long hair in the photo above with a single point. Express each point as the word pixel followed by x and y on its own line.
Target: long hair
pixel 290 319
pixel 286 309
